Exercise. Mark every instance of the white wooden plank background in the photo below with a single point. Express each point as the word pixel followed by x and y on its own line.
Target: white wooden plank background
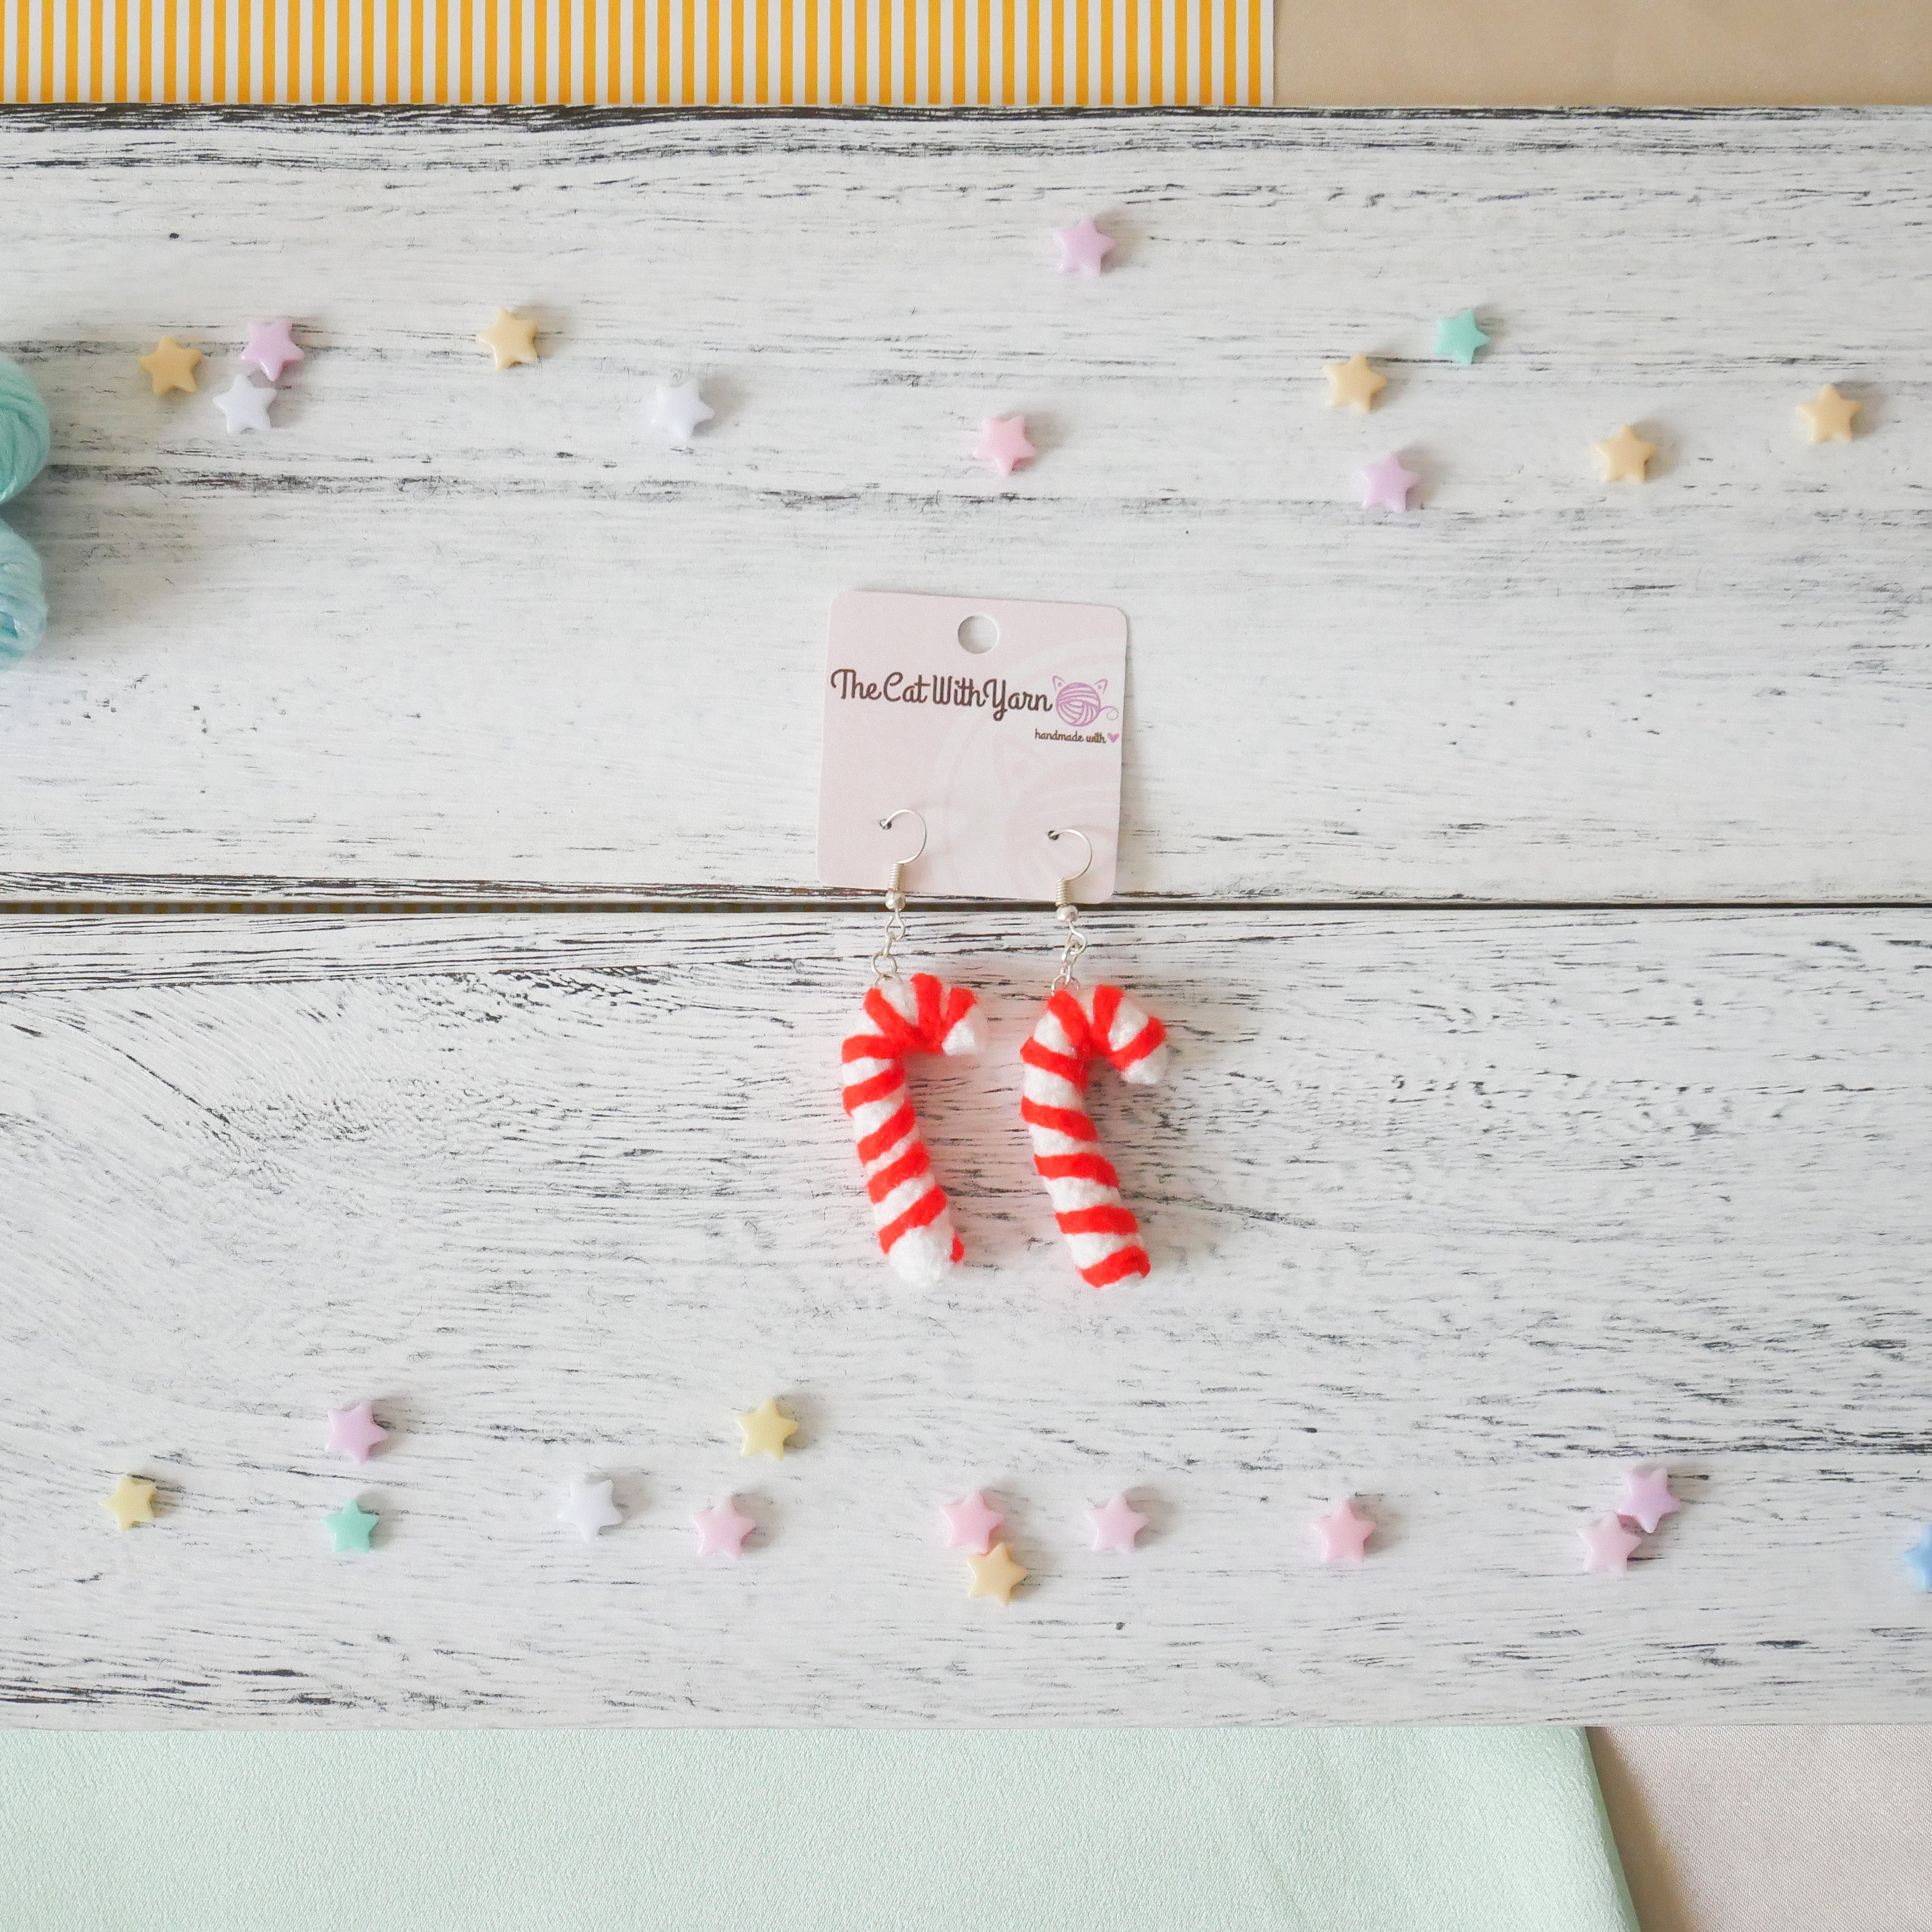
pixel 448 625
pixel 1460 1212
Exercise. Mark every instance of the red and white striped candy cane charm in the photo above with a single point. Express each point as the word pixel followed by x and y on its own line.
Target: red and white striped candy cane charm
pixel 900 1016
pixel 920 1015
pixel 1081 1024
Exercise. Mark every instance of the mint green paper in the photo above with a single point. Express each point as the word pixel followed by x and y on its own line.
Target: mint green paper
pixel 1066 1831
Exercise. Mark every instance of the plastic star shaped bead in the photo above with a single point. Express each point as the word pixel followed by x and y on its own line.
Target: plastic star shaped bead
pixel 243 406
pixel 1386 485
pixel 766 1430
pixel 1083 248
pixel 1343 1534
pixel 1457 335
pixel 971 1524
pixel 131 1502
pixel 676 409
pixel 589 1507
pixel 1647 1499
pixel 170 366
pixel 1827 416
pixel 510 339
pixel 1002 445
pixel 1353 385
pixel 1607 1544
pixel 354 1432
pixel 1918 1560
pixel 995 1574
pixel 1620 458
pixel 271 349
pixel 721 1531
pixel 351 1527
pixel 1116 1525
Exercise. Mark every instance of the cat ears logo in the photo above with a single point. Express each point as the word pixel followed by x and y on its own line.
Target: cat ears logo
pixel 1081 705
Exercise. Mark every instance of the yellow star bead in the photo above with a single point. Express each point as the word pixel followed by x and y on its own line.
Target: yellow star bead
pixel 511 339
pixel 1622 457
pixel 1353 385
pixel 1828 415
pixel 133 1502
pixel 170 366
pixel 994 1574
pixel 766 1432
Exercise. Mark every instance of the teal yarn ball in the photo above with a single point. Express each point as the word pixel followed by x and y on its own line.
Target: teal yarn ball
pixel 24 438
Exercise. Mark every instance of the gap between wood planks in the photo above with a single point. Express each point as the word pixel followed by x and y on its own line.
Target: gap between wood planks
pixel 249 900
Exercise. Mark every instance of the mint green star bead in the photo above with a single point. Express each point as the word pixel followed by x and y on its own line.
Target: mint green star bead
pixel 1457 335
pixel 351 1527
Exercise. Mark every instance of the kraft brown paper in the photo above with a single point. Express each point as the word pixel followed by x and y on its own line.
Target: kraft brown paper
pixel 1587 53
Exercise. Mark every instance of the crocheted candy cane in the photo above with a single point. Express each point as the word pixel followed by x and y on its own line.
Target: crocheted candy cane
pixel 902 1016
pixel 1081 1023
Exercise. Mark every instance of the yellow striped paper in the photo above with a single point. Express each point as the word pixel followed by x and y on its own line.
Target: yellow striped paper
pixel 814 53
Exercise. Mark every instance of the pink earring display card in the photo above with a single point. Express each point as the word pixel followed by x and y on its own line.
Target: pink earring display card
pixel 996 721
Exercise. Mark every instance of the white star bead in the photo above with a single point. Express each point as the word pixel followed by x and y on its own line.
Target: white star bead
pixel 243 406
pixel 676 410
pixel 589 1508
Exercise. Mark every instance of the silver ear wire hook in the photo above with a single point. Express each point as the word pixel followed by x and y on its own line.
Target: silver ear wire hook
pixel 1066 912
pixel 884 966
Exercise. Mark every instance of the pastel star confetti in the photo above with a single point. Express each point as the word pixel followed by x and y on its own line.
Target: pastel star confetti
pixel 1116 1525
pixel 131 1501
pixel 1827 416
pixel 271 348
pixel 676 409
pixel 1386 485
pixel 1083 248
pixel 1458 335
pixel 510 339
pixel 1918 1560
pixel 350 1527
pixel 170 366
pixel 1353 385
pixel 354 1432
pixel 766 1430
pixel 994 1574
pixel 1607 1544
pixel 721 1531
pixel 1343 1534
pixel 1620 458
pixel 1002 445
pixel 589 1507
pixel 1647 1499
pixel 971 1524
pixel 243 406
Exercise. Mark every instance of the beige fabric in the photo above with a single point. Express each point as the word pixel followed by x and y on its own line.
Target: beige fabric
pixel 1781 1828
pixel 1503 53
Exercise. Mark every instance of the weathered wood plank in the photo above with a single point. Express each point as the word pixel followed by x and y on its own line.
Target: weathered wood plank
pixel 445 625
pixel 1462 1213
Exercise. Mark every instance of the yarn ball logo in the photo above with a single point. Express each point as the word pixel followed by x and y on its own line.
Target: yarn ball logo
pixel 1081 705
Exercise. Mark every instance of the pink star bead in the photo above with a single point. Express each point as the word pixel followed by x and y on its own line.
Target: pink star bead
pixel 1116 1524
pixel 1386 485
pixel 1607 1544
pixel 1343 1535
pixel 971 1524
pixel 354 1432
pixel 721 1531
pixel 1003 444
pixel 1083 248
pixel 1647 1499
pixel 271 348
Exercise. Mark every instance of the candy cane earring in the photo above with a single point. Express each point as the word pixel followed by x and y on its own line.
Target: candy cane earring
pixel 1080 1025
pixel 902 1016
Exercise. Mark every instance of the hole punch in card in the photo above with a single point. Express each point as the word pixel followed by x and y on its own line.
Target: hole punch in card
pixel 996 720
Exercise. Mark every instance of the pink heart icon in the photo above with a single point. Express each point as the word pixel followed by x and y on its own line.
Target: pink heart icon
pixel 1113 737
